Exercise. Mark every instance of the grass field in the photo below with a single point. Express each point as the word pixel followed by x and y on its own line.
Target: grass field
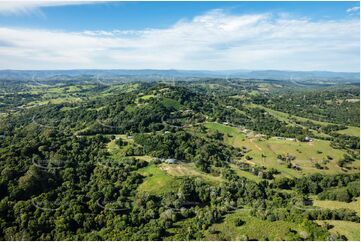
pixel 307 154
pixel 252 229
pixel 165 177
pixel 286 117
pixel 171 103
pixel 189 169
pixel 350 229
pixel 233 136
pixel 147 97
pixel 117 153
pixel 245 174
pixel 60 89
pixel 354 131
pixel 264 151
pixel 157 181
pixel 355 205
pixel 56 100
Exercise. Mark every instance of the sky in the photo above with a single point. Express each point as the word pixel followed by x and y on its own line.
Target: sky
pixel 300 36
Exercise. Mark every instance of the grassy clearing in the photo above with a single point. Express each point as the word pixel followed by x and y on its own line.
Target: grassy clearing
pixel 264 87
pixel 245 174
pixel 238 97
pixel 131 108
pixel 115 150
pixel 189 169
pixel 286 117
pixel 57 100
pixel 279 115
pixel 307 154
pixel 233 136
pixel 164 178
pixel 147 97
pixel 168 102
pixel 222 128
pixel 350 229
pixel 60 89
pixel 254 93
pixel 354 131
pixel 252 229
pixel 143 98
pixel 118 152
pixel 157 181
pixel 264 152
pixel 328 204
pixel 353 100
pixel 65 109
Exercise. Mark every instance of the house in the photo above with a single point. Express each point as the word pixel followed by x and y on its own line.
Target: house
pixel 170 161
pixel 307 139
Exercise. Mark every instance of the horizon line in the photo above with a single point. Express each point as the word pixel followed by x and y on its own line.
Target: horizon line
pixel 172 69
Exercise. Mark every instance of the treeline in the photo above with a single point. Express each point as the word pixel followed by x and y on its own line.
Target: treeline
pixel 335 105
pixel 343 194
pixel 267 124
pixel 342 141
pixel 340 187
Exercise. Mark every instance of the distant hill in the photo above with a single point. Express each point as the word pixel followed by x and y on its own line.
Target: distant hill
pixel 249 74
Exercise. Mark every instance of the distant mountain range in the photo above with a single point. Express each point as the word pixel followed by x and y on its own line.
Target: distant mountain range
pixel 247 74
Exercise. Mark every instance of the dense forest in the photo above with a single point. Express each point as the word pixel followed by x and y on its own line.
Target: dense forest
pixel 184 160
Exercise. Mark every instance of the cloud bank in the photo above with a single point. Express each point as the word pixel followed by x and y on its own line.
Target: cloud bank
pixel 27 7
pixel 213 41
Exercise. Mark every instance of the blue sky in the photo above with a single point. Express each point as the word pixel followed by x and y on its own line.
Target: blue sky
pixel 180 35
pixel 139 15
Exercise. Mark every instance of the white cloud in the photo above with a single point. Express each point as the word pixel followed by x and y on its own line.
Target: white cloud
pixel 353 9
pixel 212 41
pixel 27 7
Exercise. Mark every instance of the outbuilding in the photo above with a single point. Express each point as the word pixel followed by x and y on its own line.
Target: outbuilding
pixel 170 161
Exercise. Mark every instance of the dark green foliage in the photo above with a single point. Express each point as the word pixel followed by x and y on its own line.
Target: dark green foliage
pixel 121 142
pixel 316 183
pixel 185 147
pixel 344 194
pixel 342 141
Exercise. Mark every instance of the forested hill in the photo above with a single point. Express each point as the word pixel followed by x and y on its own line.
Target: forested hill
pixel 205 159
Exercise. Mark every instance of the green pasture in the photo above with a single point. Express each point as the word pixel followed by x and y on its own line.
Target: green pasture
pixel 157 181
pixel 252 229
pixel 264 152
